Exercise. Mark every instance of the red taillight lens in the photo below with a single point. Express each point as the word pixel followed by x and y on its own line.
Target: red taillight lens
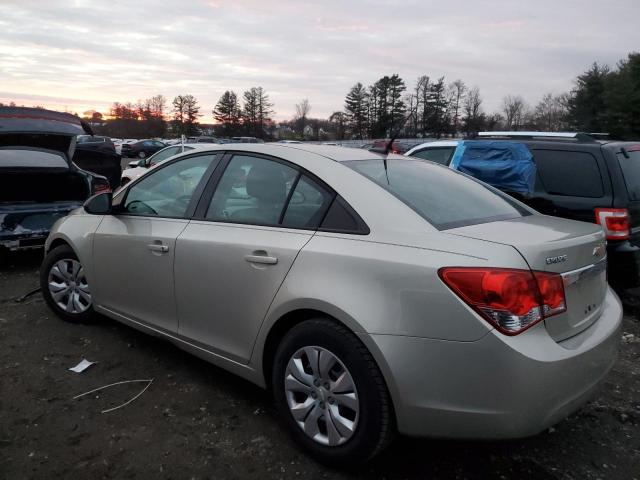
pixel 511 300
pixel 614 221
pixel 101 188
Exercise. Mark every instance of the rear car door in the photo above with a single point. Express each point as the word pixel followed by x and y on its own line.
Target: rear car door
pixel 233 257
pixel 134 248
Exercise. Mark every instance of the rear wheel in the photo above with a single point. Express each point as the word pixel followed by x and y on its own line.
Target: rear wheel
pixel 64 285
pixel 331 393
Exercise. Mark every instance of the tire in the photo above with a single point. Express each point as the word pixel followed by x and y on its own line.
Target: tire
pixel 61 273
pixel 361 427
pixel 142 155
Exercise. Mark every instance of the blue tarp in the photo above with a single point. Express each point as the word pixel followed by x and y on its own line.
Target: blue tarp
pixel 507 166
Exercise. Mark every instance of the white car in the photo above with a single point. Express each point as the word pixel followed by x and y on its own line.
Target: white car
pixel 138 167
pixel 438 151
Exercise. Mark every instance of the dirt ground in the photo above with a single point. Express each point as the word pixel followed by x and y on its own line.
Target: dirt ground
pixel 197 421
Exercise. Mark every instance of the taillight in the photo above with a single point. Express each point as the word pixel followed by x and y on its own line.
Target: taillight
pixel 511 300
pixel 614 221
pixel 99 187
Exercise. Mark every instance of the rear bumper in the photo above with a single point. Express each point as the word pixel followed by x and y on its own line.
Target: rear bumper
pixel 25 227
pixel 498 387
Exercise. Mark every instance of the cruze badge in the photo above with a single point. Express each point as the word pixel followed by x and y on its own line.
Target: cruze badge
pixel 598 250
pixel 558 259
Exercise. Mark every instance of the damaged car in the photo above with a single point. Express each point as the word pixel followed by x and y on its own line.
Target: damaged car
pixel 38 181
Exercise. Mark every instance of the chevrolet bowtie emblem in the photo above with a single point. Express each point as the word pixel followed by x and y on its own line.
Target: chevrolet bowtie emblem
pixel 598 250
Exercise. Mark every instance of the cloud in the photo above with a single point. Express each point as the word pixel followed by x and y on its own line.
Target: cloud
pixel 90 53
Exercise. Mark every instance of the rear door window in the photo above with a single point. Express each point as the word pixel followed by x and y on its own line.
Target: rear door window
pixel 252 190
pixel 568 173
pixel 307 205
pixel 631 171
pixel 441 155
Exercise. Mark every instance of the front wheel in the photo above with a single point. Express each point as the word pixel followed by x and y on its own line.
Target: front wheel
pixel 331 393
pixel 64 285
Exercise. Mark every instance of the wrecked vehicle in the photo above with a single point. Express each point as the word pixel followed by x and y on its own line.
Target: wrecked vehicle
pixel 38 181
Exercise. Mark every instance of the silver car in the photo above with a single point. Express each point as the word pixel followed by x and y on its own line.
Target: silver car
pixel 371 296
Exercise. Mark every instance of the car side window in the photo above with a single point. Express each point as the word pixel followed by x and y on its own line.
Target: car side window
pixel 164 154
pixel 167 192
pixel 569 173
pixel 438 155
pixel 252 190
pixel 307 205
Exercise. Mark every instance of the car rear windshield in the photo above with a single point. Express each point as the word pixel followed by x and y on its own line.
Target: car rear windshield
pixel 445 198
pixel 28 158
pixel 631 171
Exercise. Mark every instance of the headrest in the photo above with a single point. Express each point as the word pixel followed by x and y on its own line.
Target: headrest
pixel 266 182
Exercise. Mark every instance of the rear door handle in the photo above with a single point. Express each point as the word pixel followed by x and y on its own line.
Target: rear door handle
pixel 258 258
pixel 155 247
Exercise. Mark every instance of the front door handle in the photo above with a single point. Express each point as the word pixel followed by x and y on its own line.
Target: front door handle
pixel 156 247
pixel 261 257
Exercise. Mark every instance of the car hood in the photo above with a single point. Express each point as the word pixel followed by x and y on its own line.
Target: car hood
pixel 41 129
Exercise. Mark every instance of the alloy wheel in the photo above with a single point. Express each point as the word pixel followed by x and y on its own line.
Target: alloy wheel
pixel 321 396
pixel 68 286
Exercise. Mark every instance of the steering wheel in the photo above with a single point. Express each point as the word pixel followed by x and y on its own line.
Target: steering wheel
pixel 144 205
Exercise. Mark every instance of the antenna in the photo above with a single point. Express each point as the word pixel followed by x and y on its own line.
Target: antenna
pixel 387 149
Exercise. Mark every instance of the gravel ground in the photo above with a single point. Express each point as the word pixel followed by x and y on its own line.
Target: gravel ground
pixel 197 421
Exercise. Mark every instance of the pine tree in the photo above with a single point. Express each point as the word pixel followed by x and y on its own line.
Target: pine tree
pixel 356 108
pixel 227 113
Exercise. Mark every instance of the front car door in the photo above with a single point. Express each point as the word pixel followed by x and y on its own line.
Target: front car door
pixel 134 248
pixel 233 257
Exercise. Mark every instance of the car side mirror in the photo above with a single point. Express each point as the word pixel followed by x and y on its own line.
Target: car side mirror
pixel 99 204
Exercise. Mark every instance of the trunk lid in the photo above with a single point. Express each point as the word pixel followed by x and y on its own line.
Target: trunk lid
pixel 576 250
pixel 40 128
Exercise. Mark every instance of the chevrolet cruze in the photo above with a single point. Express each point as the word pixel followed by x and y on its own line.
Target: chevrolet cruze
pixel 371 295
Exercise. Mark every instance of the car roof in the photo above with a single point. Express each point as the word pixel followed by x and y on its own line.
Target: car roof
pixel 331 152
pixel 434 143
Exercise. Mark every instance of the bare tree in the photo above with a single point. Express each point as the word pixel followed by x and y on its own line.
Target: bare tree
pixel 514 109
pixel 457 90
pixel 474 118
pixel 302 112
pixel 551 113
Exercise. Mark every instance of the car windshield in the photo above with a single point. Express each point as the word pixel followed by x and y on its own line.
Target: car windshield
pixel 631 171
pixel 445 198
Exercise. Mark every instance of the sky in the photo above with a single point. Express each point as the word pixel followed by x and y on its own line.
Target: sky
pixel 78 55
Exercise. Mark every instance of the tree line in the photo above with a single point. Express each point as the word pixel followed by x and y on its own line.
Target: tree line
pixel 603 99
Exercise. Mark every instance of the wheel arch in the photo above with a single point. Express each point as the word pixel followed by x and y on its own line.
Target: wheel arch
pixel 265 350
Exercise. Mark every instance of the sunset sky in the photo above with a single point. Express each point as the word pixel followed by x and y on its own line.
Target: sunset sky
pixel 80 55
